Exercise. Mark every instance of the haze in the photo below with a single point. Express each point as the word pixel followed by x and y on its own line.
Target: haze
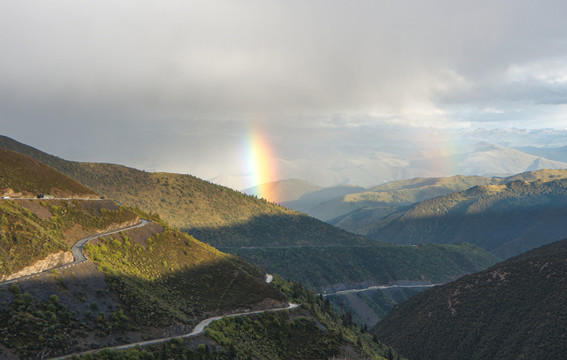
pixel 178 86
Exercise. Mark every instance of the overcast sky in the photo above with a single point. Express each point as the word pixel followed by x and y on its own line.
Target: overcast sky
pixel 176 85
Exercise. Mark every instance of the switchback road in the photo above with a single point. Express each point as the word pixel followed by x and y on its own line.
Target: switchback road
pixel 77 250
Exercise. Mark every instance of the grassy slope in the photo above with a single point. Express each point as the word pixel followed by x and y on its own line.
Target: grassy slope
pixel 505 219
pixel 26 237
pixel 515 309
pixel 312 331
pixel 171 277
pixel 22 174
pixel 379 201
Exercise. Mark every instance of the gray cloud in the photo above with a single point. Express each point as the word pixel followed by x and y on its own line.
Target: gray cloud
pixel 144 77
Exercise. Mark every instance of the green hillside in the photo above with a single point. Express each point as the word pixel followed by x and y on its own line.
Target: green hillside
pixel 504 219
pixel 373 204
pixel 21 175
pixel 325 203
pixel 514 310
pixel 32 229
pixel 322 267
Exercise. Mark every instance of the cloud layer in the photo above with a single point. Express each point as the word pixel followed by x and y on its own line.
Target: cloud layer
pixel 140 73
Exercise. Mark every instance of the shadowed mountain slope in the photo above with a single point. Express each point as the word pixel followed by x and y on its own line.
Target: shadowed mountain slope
pixel 514 310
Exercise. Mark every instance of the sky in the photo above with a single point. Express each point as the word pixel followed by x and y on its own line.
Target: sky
pixel 187 86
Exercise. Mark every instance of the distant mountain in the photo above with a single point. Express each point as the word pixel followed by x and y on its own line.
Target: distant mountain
pixel 375 205
pixel 504 219
pixel 322 204
pixel 551 153
pixel 379 201
pixel 489 159
pixel 371 169
pixel 283 190
pixel 514 310
pixel 436 176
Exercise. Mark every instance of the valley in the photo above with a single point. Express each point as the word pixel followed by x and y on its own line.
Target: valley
pixel 132 279
pixel 132 283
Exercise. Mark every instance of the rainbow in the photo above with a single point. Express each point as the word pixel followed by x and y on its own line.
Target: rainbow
pixel 260 163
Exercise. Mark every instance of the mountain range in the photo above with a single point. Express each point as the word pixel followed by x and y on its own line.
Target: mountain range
pixel 368 170
pixel 148 281
pixel 155 280
pixel 505 219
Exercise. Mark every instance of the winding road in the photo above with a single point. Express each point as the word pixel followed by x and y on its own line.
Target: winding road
pixel 199 328
pixel 77 250
pixel 380 287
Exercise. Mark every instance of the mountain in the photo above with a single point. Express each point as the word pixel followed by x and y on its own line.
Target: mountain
pixel 489 159
pixel 369 169
pixel 505 219
pixel 375 204
pixel 283 190
pixel 279 240
pixel 147 282
pixel 23 176
pixel 514 310
pixel 379 201
pixel 552 153
pixel 319 204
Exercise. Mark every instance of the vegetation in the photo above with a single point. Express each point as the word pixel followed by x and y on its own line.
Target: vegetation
pixel 280 240
pixel 30 230
pixel 504 219
pixel 35 327
pixel 24 175
pixel 323 266
pixel 314 331
pixel 514 310
pixel 170 277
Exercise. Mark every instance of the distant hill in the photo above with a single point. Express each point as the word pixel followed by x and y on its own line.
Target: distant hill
pixel 489 159
pixel 283 190
pixel 321 203
pixel 552 153
pixel 514 310
pixel 504 219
